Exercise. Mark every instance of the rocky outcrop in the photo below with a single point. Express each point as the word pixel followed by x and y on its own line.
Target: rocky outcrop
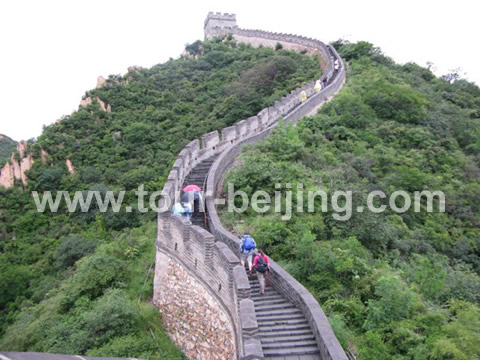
pixel 43 156
pixel 7 177
pixel 100 82
pixel 70 167
pixel 15 169
pixel 104 107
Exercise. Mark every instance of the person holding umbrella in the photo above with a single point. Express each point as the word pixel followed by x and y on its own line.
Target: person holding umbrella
pixel 191 195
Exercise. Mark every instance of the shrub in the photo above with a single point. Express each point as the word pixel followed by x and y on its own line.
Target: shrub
pixel 71 249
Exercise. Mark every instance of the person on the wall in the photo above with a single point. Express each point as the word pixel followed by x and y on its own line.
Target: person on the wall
pixel 178 209
pixel 262 267
pixel 317 86
pixel 325 83
pixel 187 210
pixel 247 249
pixel 183 209
pixel 303 96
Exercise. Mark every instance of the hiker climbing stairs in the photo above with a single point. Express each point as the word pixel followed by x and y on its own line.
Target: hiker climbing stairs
pixel 198 177
pixel 283 329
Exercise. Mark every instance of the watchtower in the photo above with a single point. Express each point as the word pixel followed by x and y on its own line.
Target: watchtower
pixel 216 23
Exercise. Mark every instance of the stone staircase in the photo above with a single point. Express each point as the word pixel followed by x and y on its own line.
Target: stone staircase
pixel 197 177
pixel 283 329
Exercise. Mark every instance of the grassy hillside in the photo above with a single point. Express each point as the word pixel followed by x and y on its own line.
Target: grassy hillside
pixel 395 285
pixel 81 283
pixel 7 145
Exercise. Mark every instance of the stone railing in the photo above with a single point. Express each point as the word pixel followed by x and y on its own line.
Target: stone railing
pixel 211 257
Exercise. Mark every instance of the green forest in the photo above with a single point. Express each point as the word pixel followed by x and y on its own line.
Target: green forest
pixel 403 286
pixel 7 146
pixel 81 283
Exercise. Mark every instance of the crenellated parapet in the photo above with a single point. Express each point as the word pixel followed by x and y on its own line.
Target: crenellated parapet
pixel 211 257
pixel 218 21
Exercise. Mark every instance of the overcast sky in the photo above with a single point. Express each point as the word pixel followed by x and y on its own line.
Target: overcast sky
pixel 53 51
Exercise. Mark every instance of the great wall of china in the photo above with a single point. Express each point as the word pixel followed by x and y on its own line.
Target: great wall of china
pixel 210 307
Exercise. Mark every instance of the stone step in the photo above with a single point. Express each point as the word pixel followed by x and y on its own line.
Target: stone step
pixel 284 329
pixel 305 350
pixel 289 344
pixel 268 290
pixel 196 176
pixel 270 301
pixel 201 169
pixel 260 307
pixel 267 298
pixel 198 182
pixel 286 339
pixel 203 165
pixel 284 333
pixel 282 323
pixel 257 288
pixel 295 357
pixel 280 312
pixel 276 318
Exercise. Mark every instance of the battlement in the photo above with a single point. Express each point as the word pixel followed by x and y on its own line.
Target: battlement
pixel 219 21
pixel 219 16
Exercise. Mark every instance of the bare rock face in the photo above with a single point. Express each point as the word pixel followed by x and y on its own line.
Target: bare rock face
pixel 25 164
pixel 70 167
pixel 15 170
pixel 86 102
pixel 43 156
pixel 100 81
pixel 104 107
pixel 6 176
pixel 22 147
pixel 136 69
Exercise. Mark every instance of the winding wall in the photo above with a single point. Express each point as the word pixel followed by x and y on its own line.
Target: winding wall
pixel 211 258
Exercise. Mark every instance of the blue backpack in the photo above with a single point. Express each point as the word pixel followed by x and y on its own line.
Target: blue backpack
pixel 248 243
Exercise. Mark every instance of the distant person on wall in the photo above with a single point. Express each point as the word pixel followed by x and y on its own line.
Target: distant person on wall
pixel 317 86
pixel 303 96
pixel 325 83
pixel 178 209
pixel 262 266
pixel 336 65
pixel 187 210
pixel 182 209
pixel 247 249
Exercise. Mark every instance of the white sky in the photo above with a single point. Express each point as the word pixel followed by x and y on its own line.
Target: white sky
pixel 53 51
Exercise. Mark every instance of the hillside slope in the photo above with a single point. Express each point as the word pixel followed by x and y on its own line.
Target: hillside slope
pixel 396 285
pixel 81 283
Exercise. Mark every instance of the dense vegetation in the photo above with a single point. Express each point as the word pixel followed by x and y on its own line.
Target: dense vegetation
pixel 395 285
pixel 7 146
pixel 81 283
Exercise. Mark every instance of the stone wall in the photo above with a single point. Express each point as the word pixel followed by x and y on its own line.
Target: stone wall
pixel 209 259
pixel 190 314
